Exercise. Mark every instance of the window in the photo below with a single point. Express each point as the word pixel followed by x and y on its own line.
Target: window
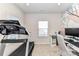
pixel 43 28
pixel 75 8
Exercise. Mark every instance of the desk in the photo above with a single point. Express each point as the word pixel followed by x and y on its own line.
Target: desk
pixel 73 45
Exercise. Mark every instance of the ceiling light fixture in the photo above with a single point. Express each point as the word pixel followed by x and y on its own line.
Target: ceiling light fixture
pixel 59 4
pixel 27 4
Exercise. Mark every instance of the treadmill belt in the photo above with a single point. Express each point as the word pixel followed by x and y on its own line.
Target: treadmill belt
pixel 31 47
pixel 19 51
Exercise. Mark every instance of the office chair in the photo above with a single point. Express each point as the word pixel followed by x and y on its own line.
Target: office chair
pixel 63 49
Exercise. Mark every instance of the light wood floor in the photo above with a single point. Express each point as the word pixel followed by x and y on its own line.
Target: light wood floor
pixel 45 50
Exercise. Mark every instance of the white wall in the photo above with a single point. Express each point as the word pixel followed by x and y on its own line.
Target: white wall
pixel 70 21
pixel 7 10
pixel 31 24
pixel 72 24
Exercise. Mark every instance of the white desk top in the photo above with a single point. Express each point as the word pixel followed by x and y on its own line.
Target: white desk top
pixel 73 46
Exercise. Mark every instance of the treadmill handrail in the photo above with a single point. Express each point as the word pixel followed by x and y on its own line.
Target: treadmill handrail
pixel 14 41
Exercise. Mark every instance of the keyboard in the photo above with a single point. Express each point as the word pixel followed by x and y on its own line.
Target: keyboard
pixel 72 42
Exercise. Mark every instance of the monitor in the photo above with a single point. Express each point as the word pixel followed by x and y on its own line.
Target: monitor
pixel 72 31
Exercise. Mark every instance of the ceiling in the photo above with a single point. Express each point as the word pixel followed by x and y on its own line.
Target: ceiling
pixel 43 7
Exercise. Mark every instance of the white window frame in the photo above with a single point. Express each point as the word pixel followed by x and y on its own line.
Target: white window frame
pixel 42 27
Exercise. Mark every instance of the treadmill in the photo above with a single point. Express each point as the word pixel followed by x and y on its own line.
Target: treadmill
pixel 10 22
pixel 19 46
